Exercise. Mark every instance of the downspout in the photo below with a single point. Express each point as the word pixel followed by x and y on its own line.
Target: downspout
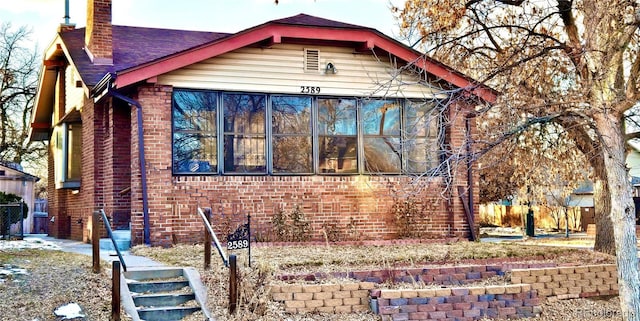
pixel 467 124
pixel 108 81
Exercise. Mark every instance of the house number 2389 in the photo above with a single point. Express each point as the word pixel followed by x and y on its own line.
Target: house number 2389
pixel 309 90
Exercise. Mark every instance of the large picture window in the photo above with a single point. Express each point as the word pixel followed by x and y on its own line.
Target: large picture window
pixel 257 134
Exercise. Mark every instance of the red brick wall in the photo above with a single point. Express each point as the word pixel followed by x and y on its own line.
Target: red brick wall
pixel 105 175
pixel 64 205
pixel 99 34
pixel 357 207
pixel 456 134
pixel 365 200
pixel 60 226
pixel 117 163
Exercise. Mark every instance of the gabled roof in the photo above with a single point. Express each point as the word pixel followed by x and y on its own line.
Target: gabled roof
pixel 140 54
pixel 136 46
pixel 307 28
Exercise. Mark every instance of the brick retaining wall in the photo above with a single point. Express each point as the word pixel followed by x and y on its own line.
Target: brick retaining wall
pixel 463 303
pixel 328 298
pixel 571 281
pixel 531 284
pixel 442 275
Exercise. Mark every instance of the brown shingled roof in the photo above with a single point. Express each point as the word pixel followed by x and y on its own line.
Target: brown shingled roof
pixel 133 46
pixel 311 21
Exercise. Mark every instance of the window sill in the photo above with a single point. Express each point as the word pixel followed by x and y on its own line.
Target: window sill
pixel 67 185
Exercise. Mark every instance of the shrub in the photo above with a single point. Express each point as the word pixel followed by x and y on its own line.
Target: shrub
pixel 407 216
pixel 11 215
pixel 292 226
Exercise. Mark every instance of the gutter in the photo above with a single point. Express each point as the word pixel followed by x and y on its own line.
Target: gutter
pixel 105 87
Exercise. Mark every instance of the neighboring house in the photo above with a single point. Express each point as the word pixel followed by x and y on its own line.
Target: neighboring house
pixel 298 111
pixel 15 181
pixel 582 196
pixel 633 163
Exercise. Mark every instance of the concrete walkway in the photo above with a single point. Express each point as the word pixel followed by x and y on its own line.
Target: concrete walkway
pixel 540 235
pixel 84 248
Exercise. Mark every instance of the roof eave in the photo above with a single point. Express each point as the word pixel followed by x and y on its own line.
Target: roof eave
pixel 43 105
pixel 370 38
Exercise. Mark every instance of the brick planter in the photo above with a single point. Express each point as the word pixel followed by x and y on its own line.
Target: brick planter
pixel 442 275
pixel 531 284
pixel 328 298
pixel 570 282
pixel 462 303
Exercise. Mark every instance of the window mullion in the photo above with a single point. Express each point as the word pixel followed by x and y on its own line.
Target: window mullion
pixel 268 138
pixel 359 137
pixel 220 133
pixel 315 147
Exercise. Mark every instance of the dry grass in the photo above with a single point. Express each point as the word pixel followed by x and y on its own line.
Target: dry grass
pixel 54 279
pixel 309 259
pixel 268 262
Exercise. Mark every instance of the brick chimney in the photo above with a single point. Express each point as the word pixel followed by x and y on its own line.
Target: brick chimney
pixel 98 35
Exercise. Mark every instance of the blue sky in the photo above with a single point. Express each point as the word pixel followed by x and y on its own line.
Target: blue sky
pixel 43 16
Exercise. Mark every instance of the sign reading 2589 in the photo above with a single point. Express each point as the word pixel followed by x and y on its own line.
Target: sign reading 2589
pixel 309 90
pixel 236 245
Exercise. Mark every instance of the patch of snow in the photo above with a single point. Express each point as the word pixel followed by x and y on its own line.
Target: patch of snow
pixel 29 243
pixel 8 272
pixel 69 311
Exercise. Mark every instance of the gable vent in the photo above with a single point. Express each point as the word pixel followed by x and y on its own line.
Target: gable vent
pixel 311 59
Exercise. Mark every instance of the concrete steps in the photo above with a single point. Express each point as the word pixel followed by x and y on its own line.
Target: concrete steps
pixel 163 294
pixel 122 238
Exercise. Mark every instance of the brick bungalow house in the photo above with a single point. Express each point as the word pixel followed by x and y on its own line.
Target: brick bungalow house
pixel 332 117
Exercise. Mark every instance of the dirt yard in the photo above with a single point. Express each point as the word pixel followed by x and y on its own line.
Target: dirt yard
pixel 50 278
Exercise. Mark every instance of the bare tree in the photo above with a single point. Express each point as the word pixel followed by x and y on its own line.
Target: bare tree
pixel 18 81
pixel 574 63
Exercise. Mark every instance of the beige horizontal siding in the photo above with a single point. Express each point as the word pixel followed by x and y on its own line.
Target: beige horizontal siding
pixel 280 69
pixel 74 96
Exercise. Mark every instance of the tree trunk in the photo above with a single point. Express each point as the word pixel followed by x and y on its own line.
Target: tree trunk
pixel 605 241
pixel 622 214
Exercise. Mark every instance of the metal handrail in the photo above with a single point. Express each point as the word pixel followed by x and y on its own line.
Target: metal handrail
pixel 113 240
pixel 209 229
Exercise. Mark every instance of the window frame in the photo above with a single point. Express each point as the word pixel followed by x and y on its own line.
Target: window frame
pixel 215 134
pixel 311 135
pixel 368 136
pixel 356 135
pixel 315 136
pixel 223 134
pixel 437 139
pixel 63 149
